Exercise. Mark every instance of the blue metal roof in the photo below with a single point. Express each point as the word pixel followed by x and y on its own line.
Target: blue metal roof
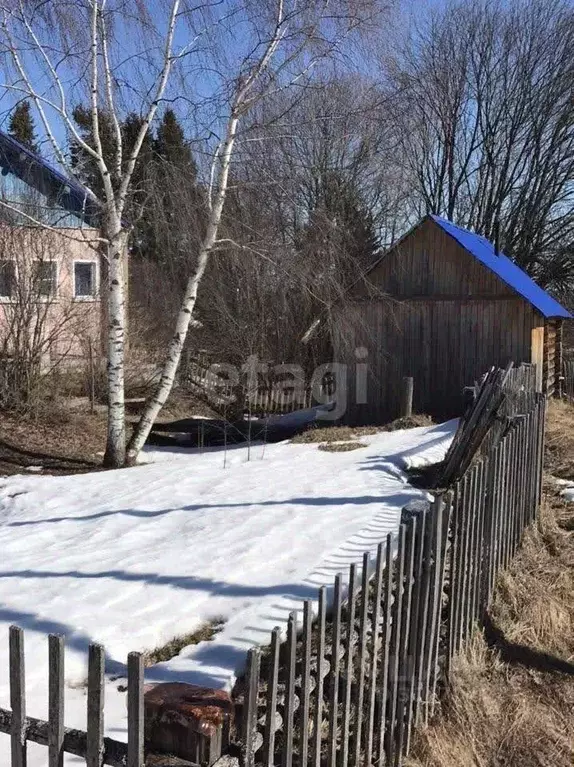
pixel 503 267
pixel 41 175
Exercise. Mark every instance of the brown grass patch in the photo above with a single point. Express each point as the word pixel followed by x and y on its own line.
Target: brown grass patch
pixel 340 447
pixel 504 707
pixel 174 646
pixel 350 433
pixel 559 457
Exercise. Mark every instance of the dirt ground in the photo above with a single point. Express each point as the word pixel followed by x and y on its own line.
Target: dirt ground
pixel 511 700
pixel 66 438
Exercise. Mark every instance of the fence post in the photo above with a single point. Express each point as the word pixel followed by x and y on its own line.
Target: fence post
pixel 250 707
pixel 407 397
pixel 17 697
pixel 135 710
pixel 95 729
pixel 56 701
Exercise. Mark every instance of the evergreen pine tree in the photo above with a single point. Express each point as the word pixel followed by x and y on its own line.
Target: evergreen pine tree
pixel 170 144
pixel 21 126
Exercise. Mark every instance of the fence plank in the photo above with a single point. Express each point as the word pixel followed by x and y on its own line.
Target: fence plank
pixel 405 670
pixel 318 723
pixel 416 635
pixel 17 697
pixel 135 710
pixel 386 643
pixel 363 628
pixel 374 652
pixel 249 716
pixel 348 663
pixel 334 672
pixel 483 469
pixel 290 690
pixel 395 644
pixel 305 683
pixel 473 509
pixel 56 700
pixel 271 698
pixel 95 731
pixel 462 570
pixel 434 605
pixel 446 510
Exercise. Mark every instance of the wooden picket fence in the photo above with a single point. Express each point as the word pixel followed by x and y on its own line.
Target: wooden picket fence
pixel 267 396
pixel 347 687
pixel 58 739
pixel 568 379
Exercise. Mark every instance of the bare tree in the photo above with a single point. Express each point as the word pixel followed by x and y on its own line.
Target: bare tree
pixel 484 109
pixel 288 41
pixel 89 58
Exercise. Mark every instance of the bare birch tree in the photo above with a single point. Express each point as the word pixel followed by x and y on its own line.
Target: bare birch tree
pixel 292 39
pixel 121 56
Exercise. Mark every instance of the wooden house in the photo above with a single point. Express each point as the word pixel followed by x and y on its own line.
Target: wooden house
pixel 50 259
pixel 442 306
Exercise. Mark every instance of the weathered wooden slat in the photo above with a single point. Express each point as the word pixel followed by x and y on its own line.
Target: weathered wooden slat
pixel 424 609
pixel 348 662
pixel 95 719
pixel 135 710
pixel 75 742
pixel 249 716
pixel 362 659
pixel 305 683
pixel 469 550
pixel 446 510
pixel 462 566
pixel 405 666
pixel 374 651
pixel 386 644
pixel 318 721
pixel 288 729
pixel 334 671
pixel 479 541
pixel 56 700
pixel 434 606
pixel 415 631
pixel 395 645
pixel 17 697
pixel 271 697
pixel 494 520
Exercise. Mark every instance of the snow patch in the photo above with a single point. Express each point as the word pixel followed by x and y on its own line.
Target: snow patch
pixel 134 557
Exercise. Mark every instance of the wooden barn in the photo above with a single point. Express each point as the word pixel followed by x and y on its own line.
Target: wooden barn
pixel 447 307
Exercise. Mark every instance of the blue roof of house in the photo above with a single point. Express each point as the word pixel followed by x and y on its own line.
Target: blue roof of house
pixel 41 175
pixel 503 267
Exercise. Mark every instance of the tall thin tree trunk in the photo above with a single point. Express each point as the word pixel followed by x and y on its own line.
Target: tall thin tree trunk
pixel 175 349
pixel 116 303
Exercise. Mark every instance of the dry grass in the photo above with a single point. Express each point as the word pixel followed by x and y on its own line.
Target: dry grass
pixel 170 649
pixel 350 433
pixel 340 447
pixel 559 458
pixel 512 703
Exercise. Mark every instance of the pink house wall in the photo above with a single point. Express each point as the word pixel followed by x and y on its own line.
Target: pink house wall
pixel 69 323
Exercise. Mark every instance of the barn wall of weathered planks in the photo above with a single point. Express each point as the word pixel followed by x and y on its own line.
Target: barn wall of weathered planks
pixel 441 317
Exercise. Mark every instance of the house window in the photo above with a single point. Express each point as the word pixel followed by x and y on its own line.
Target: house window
pixel 7 279
pixel 84 279
pixel 46 278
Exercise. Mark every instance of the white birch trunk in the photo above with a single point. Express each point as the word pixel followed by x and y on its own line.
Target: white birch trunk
pixel 175 349
pixel 116 320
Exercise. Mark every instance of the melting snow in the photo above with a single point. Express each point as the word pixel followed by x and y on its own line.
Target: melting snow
pixel 134 557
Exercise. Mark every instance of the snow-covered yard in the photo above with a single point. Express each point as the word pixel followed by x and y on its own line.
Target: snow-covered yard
pixel 132 558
